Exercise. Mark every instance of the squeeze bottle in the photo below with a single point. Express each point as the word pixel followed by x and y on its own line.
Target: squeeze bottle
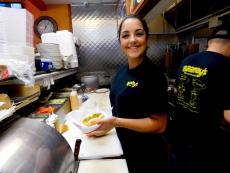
pixel 74 100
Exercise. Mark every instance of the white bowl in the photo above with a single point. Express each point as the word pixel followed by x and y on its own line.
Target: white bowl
pixel 77 116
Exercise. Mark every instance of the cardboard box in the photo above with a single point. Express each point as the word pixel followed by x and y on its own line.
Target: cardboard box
pixel 5 102
pixel 23 91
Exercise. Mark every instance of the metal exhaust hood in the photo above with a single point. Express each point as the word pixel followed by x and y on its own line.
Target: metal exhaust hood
pixel 189 14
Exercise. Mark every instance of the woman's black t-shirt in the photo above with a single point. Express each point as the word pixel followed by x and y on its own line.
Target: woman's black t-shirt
pixel 139 93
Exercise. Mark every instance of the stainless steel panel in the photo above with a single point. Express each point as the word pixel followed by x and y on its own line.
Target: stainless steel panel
pixel 29 146
pixel 96 28
pixel 157 46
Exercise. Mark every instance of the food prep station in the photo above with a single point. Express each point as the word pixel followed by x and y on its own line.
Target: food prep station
pixel 29 146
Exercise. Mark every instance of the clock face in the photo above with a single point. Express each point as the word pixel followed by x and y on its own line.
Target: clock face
pixel 45 24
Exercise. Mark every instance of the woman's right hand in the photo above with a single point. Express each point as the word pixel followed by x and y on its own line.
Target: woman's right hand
pixel 106 124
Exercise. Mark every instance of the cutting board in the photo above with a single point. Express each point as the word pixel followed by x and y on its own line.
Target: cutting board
pixel 92 148
pixel 103 166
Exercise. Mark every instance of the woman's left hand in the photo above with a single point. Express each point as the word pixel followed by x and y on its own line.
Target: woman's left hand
pixel 106 124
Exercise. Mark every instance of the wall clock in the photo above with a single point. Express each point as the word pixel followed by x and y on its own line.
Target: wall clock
pixel 45 24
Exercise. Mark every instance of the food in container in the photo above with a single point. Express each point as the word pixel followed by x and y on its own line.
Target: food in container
pixel 92 119
pixel 86 121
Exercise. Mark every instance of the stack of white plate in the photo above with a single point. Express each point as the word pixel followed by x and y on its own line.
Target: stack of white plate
pixel 51 51
pixel 66 43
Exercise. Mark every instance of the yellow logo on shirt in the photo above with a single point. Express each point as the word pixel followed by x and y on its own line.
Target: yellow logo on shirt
pixel 132 84
pixel 194 71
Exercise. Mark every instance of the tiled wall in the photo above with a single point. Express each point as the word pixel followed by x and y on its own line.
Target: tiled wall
pixel 96 28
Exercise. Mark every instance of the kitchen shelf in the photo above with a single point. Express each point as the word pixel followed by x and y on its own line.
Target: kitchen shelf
pixel 39 78
pixel 24 102
pixel 27 101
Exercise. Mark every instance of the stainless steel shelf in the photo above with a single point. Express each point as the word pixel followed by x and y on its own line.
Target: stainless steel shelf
pixel 39 78
pixel 26 102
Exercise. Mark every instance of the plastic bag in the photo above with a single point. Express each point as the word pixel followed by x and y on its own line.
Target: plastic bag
pixel 20 69
pixel 6 113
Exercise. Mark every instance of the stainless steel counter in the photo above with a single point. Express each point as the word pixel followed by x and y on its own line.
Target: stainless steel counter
pixel 92 148
pixel 29 146
pixel 94 152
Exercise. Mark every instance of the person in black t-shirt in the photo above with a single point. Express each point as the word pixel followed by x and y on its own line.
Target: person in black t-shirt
pixel 139 100
pixel 203 100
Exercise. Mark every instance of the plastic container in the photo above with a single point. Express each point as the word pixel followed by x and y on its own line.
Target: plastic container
pixel 77 116
pixel 74 100
pixel 46 65
pixel 91 81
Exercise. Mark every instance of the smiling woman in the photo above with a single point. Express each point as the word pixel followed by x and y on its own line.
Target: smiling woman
pixel 138 122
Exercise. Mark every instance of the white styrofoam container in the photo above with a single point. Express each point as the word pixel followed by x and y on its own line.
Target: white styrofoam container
pixel 66 43
pixel 20 53
pixel 18 25
pixel 49 38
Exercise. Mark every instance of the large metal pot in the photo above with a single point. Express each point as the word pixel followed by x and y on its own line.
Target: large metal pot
pixel 90 81
pixel 29 146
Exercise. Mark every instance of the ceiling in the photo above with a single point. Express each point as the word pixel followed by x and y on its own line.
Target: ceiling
pixel 78 1
pixel 178 13
pixel 185 14
pixel 193 11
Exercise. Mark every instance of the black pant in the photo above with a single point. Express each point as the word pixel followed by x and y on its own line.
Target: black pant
pixel 189 159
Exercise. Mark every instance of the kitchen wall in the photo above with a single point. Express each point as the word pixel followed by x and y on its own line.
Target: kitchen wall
pixel 95 26
pixel 60 13
pixel 32 8
pixel 199 36
pixel 157 47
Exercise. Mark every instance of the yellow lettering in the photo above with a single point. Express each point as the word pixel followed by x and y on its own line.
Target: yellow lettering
pixel 132 84
pixel 194 71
